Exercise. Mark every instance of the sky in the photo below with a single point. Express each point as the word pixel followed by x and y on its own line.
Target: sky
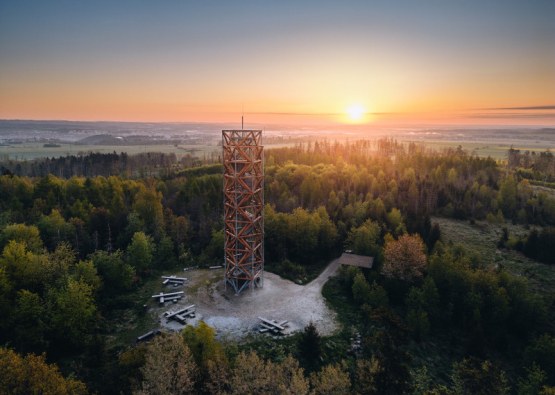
pixel 322 62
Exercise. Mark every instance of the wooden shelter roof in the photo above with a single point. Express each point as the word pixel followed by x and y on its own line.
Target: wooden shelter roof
pixel 356 260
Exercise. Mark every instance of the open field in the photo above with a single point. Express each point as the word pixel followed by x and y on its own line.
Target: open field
pixel 483 237
pixel 496 148
pixel 30 151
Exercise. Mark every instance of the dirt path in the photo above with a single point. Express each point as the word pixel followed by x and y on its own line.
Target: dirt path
pixel 235 316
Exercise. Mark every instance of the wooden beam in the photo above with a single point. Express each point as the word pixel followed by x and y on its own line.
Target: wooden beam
pixel 271 323
pixel 172 298
pixel 171 314
pixel 267 327
pixel 174 281
pixel 145 335
pixel 168 294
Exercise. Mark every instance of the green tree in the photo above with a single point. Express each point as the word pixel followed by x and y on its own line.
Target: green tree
pixel 55 229
pixel 22 233
pixel 148 205
pixel 5 300
pixel 86 271
pixel 423 304
pixel 72 311
pixel 15 263
pixel 475 377
pixel 130 364
pixel 430 299
pixel 117 276
pixel 533 384
pixel 200 341
pixel 364 239
pixel 303 235
pixel 393 377
pixel 29 322
pixel 542 353
pixel 378 296
pixel 140 252
pixel 215 249
pixel 165 256
pixel 507 196
pixel 395 222
pixel 422 382
pixel 32 375
pixel 327 233
pixel 310 345
pixel 418 321
pixel 134 225
pixel 361 289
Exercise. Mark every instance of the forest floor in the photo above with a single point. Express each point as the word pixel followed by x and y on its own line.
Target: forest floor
pixel 235 317
pixel 483 237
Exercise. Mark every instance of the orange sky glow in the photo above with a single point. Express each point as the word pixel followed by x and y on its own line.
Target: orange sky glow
pixel 472 64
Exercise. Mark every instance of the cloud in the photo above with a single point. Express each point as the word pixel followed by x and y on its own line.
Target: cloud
pixel 521 108
pixel 318 113
pixel 296 113
pixel 550 115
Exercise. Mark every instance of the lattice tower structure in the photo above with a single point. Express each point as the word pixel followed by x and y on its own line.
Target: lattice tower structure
pixel 243 160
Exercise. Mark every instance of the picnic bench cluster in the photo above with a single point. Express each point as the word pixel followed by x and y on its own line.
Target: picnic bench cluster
pixel 170 297
pixel 182 314
pixel 273 326
pixel 190 268
pixel 176 281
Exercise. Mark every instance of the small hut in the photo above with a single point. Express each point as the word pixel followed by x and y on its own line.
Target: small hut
pixel 350 259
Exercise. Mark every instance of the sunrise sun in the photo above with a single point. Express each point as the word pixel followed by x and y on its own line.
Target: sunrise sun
pixel 355 113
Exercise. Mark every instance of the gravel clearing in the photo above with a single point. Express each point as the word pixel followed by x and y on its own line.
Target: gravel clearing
pixel 234 317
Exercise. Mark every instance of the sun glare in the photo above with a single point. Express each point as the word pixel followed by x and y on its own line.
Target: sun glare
pixel 355 113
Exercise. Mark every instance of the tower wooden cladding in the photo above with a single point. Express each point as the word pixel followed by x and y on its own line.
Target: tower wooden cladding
pixel 243 208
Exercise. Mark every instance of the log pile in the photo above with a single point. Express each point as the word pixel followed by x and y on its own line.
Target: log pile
pixel 176 281
pixel 171 297
pixel 182 314
pixel 272 326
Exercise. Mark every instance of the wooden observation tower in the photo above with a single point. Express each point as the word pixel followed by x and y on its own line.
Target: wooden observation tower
pixel 243 208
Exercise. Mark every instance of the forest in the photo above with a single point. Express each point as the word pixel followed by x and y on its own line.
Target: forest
pixel 79 235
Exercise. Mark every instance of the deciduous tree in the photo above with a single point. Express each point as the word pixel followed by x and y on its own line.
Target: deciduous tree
pixel 31 375
pixel 331 380
pixel 140 252
pixel 475 377
pixel 404 259
pixel 169 368
pixel 72 311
